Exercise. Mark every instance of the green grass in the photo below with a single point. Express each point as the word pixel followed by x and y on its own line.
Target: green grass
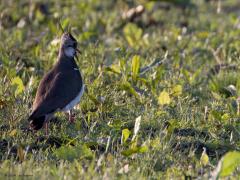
pixel 186 102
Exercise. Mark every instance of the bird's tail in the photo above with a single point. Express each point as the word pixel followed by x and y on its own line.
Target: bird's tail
pixel 36 123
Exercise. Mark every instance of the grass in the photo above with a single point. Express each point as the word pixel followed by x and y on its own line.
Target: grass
pixel 131 123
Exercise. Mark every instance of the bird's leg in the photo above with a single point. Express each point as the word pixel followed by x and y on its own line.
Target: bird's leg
pixel 71 116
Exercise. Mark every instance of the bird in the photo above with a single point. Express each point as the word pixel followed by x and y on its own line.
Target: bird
pixel 60 89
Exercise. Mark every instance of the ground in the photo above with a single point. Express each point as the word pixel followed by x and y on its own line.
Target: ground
pixel 162 89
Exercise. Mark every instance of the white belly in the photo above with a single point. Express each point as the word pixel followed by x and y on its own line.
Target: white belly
pixel 75 101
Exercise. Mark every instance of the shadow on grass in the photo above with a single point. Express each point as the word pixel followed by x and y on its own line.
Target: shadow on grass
pixel 214 150
pixel 191 132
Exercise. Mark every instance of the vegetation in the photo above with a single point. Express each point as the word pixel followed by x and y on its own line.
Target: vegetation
pixel 162 98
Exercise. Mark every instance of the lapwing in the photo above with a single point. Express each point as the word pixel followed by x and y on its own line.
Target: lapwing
pixel 60 89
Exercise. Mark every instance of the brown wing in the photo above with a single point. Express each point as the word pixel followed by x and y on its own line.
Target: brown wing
pixel 56 91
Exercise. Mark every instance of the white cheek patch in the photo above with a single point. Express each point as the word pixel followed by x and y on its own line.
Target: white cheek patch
pixel 69 52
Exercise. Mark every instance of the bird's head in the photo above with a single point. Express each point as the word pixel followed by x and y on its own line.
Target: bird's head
pixel 69 45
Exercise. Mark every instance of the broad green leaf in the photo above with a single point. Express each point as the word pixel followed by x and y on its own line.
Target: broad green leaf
pixel 177 90
pixel 134 150
pixel 130 151
pixel 19 83
pixel 143 149
pixel 204 160
pixel 128 87
pixel 39 15
pixel 125 135
pixel 164 98
pixel 135 67
pixel 226 117
pixel 230 162
pixel 113 69
pixel 116 68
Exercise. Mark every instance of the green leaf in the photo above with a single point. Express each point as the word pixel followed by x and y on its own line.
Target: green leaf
pixel 196 74
pixel 164 98
pixel 135 67
pixel 113 69
pixel 226 117
pixel 216 115
pixel 116 68
pixel 204 160
pixel 13 133
pixel 122 64
pixel 171 125
pixel 186 74
pixel 65 23
pixel 125 135
pixel 133 35
pixel 134 150
pixel 19 84
pixel 39 15
pixel 130 151
pixel 92 98
pixel 128 87
pixel 70 153
pixel 143 149
pixel 177 90
pixel 116 124
pixel 230 162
